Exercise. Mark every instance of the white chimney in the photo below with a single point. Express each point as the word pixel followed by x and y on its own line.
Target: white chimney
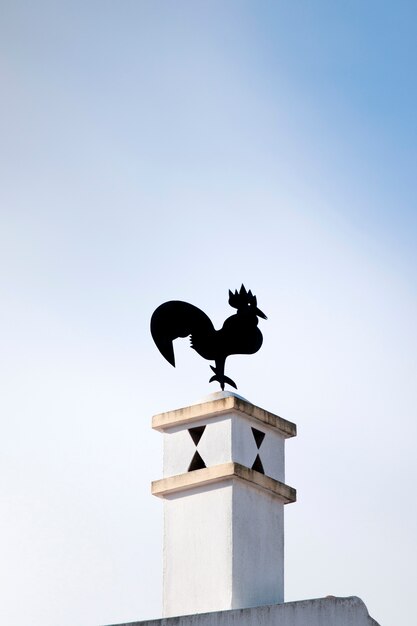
pixel 224 496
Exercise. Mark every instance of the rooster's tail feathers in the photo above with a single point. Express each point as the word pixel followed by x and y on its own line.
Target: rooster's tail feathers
pixel 177 319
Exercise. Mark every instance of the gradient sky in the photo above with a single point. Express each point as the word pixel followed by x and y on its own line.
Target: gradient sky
pixel 172 150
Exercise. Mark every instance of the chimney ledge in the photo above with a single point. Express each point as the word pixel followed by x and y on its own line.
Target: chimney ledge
pixel 220 473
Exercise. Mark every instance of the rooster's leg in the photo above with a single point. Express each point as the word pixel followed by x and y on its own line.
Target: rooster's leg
pixel 219 374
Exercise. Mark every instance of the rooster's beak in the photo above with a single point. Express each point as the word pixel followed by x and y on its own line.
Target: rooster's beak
pixel 260 314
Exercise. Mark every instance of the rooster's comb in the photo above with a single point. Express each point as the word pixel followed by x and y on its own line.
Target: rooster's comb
pixel 241 298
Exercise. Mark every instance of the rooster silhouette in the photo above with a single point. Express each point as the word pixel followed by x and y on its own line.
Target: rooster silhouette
pixel 239 334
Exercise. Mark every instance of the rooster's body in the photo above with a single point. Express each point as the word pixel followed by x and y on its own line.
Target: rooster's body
pixel 239 334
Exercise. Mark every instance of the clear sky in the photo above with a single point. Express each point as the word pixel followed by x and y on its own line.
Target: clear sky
pixel 172 150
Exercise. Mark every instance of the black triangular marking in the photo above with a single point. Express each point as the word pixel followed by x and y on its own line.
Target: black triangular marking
pixel 196 433
pixel 259 437
pixel 196 463
pixel 257 466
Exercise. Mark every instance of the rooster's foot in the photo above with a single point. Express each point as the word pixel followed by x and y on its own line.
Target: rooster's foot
pixel 222 379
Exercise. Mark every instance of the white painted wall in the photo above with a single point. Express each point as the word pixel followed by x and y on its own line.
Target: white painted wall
pixel 178 451
pixel 223 549
pixel 244 448
pixel 223 542
pixel 258 547
pixel 215 445
pixel 226 438
pixel 198 554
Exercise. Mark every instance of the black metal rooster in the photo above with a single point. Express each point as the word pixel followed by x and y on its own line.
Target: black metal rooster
pixel 239 334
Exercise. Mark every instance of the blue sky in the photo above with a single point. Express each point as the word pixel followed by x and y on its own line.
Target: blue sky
pixel 154 151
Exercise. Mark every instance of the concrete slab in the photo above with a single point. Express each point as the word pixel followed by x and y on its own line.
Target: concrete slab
pixel 329 611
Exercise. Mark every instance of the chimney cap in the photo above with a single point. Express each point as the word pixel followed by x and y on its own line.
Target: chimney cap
pixel 218 404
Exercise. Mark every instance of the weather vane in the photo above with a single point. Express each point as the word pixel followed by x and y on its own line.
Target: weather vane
pixel 239 334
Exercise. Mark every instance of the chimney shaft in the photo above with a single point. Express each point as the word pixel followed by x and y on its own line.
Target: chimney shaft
pixel 224 494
